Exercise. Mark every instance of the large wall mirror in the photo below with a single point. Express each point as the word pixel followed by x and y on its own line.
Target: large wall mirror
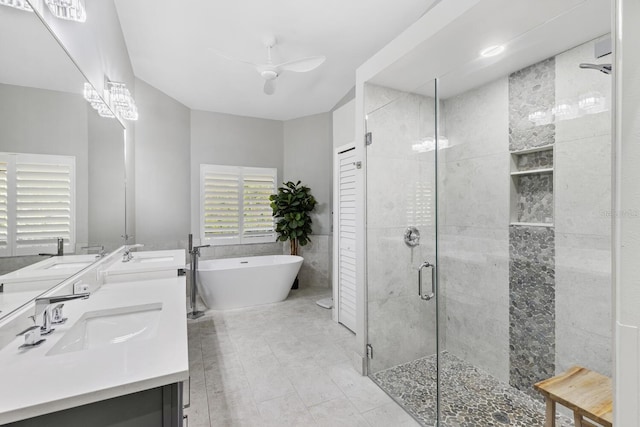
pixel 59 159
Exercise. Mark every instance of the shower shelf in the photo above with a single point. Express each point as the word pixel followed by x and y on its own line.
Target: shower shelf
pixel 532 171
pixel 533 150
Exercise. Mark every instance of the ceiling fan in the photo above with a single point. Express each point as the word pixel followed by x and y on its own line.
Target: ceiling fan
pixel 270 71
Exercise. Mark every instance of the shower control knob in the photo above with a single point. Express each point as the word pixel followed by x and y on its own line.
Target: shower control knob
pixel 412 237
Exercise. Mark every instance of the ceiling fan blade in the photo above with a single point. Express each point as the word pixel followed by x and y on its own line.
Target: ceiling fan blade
pixel 229 58
pixel 269 87
pixel 302 65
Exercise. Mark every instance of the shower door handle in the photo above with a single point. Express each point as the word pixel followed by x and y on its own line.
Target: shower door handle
pixel 433 281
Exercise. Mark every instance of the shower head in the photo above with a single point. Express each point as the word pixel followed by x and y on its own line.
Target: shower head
pixel 603 68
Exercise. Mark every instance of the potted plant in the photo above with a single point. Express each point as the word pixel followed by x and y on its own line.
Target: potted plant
pixel 291 207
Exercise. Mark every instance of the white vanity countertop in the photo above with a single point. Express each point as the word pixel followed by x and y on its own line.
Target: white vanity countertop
pixel 34 383
pixel 148 261
pixel 55 267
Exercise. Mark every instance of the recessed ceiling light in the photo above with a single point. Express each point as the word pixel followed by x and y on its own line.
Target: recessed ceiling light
pixel 492 51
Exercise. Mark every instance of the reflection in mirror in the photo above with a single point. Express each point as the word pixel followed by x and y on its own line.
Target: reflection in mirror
pixel 61 165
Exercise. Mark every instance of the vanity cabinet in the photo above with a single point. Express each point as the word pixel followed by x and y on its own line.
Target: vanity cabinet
pixel 157 407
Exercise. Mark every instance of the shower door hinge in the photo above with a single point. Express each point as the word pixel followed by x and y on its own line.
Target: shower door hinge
pixel 369 351
pixel 368 138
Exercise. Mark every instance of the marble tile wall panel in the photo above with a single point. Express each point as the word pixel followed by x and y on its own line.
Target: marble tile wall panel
pixel 572 83
pixel 531 90
pixel 474 281
pixel 583 186
pixel 473 202
pixel 315 269
pixel 583 302
pixel 534 198
pixel 475 192
pixel 583 219
pixel 536 160
pixel 532 339
pixel 476 122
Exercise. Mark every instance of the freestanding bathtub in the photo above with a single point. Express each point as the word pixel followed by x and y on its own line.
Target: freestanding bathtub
pixel 244 282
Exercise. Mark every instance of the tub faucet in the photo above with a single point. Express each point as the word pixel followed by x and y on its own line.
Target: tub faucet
pixel 43 308
pixel 126 256
pixel 195 253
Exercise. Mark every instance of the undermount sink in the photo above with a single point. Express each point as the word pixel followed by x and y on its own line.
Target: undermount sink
pixel 110 327
pixel 76 265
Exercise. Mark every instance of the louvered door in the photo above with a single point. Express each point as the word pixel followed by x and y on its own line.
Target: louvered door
pixel 346 210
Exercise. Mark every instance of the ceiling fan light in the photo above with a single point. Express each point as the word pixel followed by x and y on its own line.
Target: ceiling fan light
pixel 269 74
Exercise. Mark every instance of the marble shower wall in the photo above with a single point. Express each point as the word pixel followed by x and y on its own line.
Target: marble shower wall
pixel 400 193
pixel 583 218
pixel 474 240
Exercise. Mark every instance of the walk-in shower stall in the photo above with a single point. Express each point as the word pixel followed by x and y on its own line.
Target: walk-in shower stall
pixel 502 165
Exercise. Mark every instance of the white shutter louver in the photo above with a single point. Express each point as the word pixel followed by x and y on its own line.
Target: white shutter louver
pixel 257 212
pixel 221 205
pixel 235 205
pixel 37 202
pixel 44 208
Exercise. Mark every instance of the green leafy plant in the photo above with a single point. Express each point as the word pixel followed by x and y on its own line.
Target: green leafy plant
pixel 291 207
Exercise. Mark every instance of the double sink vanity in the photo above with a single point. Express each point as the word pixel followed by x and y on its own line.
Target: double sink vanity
pixel 115 352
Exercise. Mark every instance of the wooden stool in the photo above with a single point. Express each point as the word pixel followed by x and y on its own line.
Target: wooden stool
pixel 588 394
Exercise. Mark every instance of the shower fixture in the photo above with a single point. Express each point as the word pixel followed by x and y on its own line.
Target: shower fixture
pixel 603 68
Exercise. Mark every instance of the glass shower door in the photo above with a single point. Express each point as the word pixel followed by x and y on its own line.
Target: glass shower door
pixel 401 243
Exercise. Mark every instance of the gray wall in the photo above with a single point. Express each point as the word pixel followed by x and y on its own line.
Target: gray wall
pixel 308 158
pixel 106 177
pixel 171 137
pixel 224 139
pixel 162 154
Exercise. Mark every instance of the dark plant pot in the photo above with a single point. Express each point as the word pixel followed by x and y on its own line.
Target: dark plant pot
pixel 295 284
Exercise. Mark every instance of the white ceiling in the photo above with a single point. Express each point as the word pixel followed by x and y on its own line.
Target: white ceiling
pixel 529 34
pixel 170 44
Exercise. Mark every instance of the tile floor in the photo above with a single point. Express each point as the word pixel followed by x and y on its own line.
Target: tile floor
pixel 285 364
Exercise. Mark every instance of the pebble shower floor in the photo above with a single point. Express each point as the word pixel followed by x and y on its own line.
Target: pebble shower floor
pixel 470 397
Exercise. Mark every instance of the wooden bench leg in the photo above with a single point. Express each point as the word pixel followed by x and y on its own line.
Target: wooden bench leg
pixel 550 419
pixel 577 419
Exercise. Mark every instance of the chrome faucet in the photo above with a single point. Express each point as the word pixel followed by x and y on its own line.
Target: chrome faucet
pixel 43 308
pixel 100 254
pixel 33 334
pixel 60 251
pixel 126 256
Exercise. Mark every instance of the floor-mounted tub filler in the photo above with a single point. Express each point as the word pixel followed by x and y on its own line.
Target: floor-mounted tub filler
pixel 245 282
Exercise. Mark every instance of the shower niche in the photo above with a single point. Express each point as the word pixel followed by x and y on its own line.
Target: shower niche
pixel 532 186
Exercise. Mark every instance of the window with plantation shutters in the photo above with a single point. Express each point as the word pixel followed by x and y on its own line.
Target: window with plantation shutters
pixel 235 206
pixel 37 202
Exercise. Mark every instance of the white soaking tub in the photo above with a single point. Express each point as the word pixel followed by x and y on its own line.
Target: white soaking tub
pixel 245 282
